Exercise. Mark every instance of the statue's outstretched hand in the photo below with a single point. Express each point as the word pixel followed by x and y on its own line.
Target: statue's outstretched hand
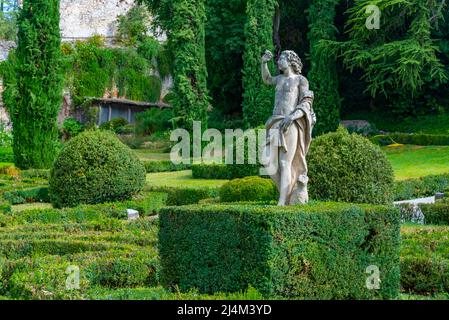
pixel 267 56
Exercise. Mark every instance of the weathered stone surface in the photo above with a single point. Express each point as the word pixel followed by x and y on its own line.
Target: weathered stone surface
pixel 289 129
pixel 85 18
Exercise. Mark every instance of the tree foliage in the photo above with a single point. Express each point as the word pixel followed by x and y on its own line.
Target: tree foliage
pixel 257 97
pixel 402 59
pixel 323 75
pixel 39 84
pixel 225 44
pixel 183 21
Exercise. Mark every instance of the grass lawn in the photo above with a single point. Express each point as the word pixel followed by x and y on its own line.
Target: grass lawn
pixel 30 206
pixel 417 161
pixel 180 178
pixel 145 155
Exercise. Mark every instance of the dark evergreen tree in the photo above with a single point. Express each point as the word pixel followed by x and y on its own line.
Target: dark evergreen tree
pixel 183 21
pixel 39 84
pixel 257 98
pixel 225 44
pixel 323 75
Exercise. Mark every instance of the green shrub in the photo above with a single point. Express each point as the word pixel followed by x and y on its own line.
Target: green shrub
pixel 71 128
pixel 114 125
pixel 424 259
pixel 95 167
pixel 164 166
pixel 211 171
pixel 437 213
pixel 419 139
pixel 420 187
pixel 185 196
pixel 6 154
pixel 153 120
pixel 248 189
pixel 121 272
pixel 424 275
pixel 349 168
pixel 39 194
pixel 316 251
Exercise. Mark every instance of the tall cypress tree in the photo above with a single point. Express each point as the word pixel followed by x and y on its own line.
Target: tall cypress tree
pixel 184 23
pixel 257 98
pixel 323 75
pixel 39 84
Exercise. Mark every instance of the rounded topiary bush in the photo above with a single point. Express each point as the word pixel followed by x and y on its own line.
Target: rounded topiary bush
pixel 349 168
pixel 248 189
pixel 95 167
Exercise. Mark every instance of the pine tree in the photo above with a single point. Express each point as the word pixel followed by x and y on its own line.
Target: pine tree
pixel 39 84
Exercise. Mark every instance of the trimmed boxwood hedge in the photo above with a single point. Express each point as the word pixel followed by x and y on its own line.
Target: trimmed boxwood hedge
pixel 436 213
pixel 347 167
pixel 424 259
pixel 249 189
pixel 317 251
pixel 39 194
pixel 419 139
pixel 420 187
pixel 164 166
pixel 95 167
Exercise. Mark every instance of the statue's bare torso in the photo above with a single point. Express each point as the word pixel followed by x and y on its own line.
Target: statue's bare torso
pixel 287 93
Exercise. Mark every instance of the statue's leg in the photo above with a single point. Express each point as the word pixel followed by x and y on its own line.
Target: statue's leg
pixel 286 165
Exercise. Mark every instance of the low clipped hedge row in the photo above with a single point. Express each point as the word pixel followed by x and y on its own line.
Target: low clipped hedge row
pixel 147 205
pixel 164 166
pixel 424 259
pixel 419 139
pixel 224 171
pixel 40 277
pixel 317 251
pixel 420 187
pixel 39 194
pixel 436 213
pixel 180 196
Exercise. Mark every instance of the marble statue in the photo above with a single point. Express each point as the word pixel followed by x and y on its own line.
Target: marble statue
pixel 289 129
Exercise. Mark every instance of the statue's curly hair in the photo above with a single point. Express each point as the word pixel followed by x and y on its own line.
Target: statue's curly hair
pixel 294 60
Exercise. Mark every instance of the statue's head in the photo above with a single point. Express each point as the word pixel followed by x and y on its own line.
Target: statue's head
pixel 288 59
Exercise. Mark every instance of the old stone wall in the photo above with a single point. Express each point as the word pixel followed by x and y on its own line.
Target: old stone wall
pixel 84 18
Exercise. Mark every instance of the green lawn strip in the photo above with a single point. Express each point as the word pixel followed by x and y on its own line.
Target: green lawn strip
pixel 145 154
pixel 181 179
pixel 417 161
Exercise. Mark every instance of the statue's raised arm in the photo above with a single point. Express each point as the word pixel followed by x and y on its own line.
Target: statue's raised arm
pixel 266 75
